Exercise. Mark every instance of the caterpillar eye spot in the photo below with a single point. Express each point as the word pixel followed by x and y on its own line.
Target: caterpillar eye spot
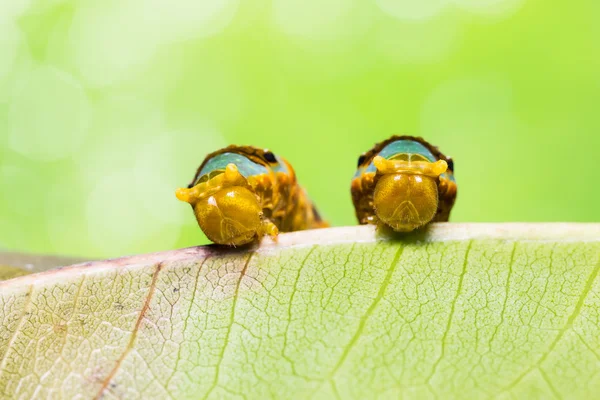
pixel 270 157
pixel 361 160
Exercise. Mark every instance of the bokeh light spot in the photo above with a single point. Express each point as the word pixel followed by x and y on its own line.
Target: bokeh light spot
pixel 319 20
pixel 159 166
pixel 12 8
pixel 418 42
pixel 107 46
pixel 15 60
pixel 22 188
pixel 117 223
pixel 66 224
pixel 48 115
pixel 490 7
pixel 113 40
pixel 412 9
pixel 189 18
pixel 9 42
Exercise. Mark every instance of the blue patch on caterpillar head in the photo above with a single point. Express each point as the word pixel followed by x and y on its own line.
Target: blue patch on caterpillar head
pixel 398 147
pixel 217 165
pixel 406 147
pixel 448 175
pixel 280 166
pixel 359 172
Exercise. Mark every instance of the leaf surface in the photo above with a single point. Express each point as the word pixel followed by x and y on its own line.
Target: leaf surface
pixel 461 311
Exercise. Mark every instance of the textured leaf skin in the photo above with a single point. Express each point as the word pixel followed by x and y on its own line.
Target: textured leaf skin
pixel 464 311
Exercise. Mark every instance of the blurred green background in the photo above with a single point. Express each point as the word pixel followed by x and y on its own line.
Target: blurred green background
pixel 107 106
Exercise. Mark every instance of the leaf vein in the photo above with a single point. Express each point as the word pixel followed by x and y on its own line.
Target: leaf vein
pixel 365 317
pixel 506 292
pixel 134 333
pixel 185 322
pixel 451 316
pixel 587 288
pixel 230 325
pixel 289 311
pixel 18 328
pixel 66 330
pixel 549 383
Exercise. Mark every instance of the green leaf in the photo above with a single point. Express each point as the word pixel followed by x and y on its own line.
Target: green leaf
pixel 462 311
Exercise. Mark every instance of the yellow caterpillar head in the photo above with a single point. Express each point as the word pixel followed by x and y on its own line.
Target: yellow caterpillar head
pixel 227 211
pixel 406 194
